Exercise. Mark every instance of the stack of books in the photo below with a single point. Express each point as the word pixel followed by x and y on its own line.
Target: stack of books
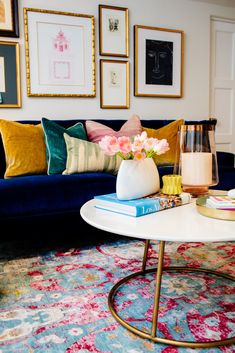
pixel 221 202
pixel 142 206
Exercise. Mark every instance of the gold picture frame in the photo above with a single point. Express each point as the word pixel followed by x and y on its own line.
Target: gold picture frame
pixel 9 20
pixel 114 84
pixel 10 93
pixel 113 31
pixel 158 62
pixel 60 53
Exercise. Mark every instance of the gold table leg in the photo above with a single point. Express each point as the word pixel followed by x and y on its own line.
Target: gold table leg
pixel 158 288
pixel 146 247
pixel 160 268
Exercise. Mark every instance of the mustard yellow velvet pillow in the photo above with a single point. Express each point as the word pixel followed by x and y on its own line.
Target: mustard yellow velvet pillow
pixel 25 149
pixel 168 132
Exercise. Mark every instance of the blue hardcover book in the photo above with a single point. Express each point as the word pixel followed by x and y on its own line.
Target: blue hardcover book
pixel 140 207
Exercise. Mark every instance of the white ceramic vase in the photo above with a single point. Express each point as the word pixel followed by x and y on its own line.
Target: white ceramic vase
pixel 137 179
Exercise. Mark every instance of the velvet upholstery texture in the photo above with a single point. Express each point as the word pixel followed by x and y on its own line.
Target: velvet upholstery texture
pixel 24 146
pixel 49 205
pixel 51 194
pixel 170 133
pixel 55 144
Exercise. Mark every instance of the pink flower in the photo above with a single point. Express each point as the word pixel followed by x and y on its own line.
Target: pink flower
pixel 139 141
pixel 137 145
pixel 124 144
pixel 138 156
pixel 138 148
pixel 150 143
pixel 161 147
pixel 143 136
pixel 110 145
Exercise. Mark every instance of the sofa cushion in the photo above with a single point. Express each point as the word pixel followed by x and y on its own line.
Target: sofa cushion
pixel 85 156
pixel 55 144
pixel 169 132
pixel 96 131
pixel 41 195
pixel 24 146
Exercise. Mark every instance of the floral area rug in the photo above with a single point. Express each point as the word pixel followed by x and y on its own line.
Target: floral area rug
pixel 56 301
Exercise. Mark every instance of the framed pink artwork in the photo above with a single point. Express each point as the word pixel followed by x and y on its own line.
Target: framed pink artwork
pixel 60 54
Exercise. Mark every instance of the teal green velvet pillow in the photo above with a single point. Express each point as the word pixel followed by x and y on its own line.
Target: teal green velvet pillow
pixel 55 143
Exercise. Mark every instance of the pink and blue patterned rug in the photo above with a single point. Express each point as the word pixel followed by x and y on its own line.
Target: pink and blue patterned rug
pixel 56 301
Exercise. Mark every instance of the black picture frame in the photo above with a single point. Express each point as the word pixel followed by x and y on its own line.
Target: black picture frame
pixel 13 19
pixel 10 93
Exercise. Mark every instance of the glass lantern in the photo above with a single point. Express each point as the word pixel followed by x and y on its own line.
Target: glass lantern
pixel 196 161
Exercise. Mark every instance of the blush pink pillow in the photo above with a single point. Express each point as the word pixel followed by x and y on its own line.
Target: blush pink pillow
pixel 96 131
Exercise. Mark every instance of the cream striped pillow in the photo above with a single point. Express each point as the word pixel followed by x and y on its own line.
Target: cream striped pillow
pixel 85 156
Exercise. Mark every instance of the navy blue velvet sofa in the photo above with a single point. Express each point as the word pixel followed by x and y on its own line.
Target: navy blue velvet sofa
pixel 48 205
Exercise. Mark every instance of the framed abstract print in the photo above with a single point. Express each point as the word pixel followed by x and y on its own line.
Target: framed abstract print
pixel 158 62
pixel 10 95
pixel 9 22
pixel 114 31
pixel 114 84
pixel 60 53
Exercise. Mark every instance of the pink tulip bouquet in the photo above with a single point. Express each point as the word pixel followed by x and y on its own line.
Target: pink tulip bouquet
pixel 139 148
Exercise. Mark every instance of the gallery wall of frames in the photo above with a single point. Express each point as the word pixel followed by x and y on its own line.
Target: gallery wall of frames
pixel 60 56
pixel 101 58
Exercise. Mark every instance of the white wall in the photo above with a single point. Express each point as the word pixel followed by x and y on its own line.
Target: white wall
pixel 193 17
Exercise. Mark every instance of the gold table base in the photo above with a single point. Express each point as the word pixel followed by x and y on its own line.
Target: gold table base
pixel 153 336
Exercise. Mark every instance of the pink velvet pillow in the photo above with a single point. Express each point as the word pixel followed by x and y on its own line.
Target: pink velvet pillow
pixel 95 131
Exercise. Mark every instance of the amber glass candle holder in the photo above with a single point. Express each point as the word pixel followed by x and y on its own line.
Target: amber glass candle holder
pixel 197 160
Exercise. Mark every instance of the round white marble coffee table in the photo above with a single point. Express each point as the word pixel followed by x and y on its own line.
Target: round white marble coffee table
pixel 180 224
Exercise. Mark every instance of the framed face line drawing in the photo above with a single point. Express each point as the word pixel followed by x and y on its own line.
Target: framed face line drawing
pixel 60 53
pixel 158 62
pixel 114 31
pixel 114 84
pixel 9 22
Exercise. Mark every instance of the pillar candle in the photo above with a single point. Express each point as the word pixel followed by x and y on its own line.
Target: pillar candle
pixel 196 168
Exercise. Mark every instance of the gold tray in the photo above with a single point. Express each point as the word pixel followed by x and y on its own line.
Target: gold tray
pixel 213 212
